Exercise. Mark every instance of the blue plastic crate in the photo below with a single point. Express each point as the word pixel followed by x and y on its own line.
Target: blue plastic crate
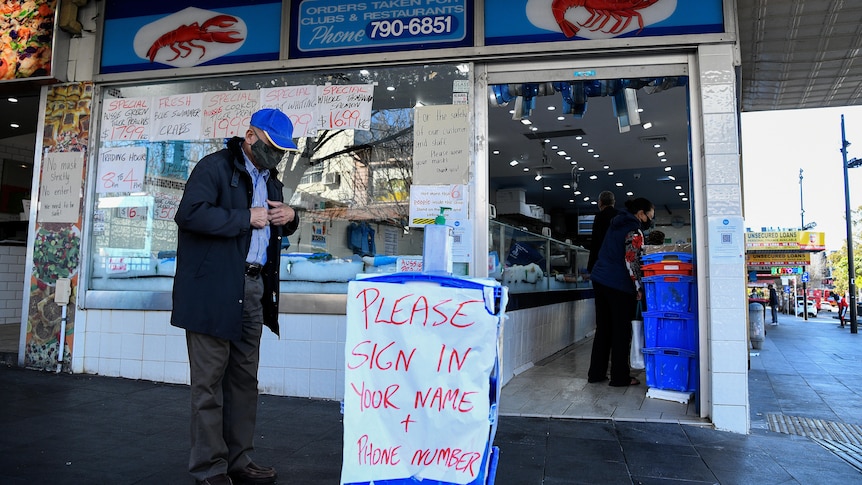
pixel 668 256
pixel 671 369
pixel 670 293
pixel 670 329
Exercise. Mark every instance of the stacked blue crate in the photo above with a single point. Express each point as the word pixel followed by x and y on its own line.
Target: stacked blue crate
pixel 670 324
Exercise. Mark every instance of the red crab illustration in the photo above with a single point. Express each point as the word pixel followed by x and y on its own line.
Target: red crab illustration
pixel 601 11
pixel 184 37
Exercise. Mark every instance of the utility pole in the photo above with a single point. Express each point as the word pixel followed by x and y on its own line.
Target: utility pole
pixel 851 271
pixel 801 206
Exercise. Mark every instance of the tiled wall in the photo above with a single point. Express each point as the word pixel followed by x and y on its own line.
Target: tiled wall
pixel 722 278
pixel 12 260
pixel 308 359
pixel 531 335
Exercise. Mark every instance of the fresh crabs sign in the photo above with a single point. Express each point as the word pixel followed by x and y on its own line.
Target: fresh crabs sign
pixel 166 34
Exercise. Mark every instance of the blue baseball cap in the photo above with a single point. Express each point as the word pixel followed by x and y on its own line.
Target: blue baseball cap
pixel 276 126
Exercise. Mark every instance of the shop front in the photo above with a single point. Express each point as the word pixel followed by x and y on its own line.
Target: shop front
pixel 508 118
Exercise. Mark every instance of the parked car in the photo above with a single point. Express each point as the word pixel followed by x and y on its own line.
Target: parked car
pixel 828 306
pixel 800 307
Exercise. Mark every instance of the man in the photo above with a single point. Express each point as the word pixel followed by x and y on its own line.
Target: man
pixel 231 220
pixel 600 226
pixel 773 302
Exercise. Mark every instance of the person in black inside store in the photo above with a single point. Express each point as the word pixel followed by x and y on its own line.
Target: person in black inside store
pixel 773 302
pixel 655 238
pixel 600 226
pixel 617 285
pixel 231 220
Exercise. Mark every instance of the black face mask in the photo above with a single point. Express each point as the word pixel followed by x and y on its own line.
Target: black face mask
pixel 265 156
pixel 646 224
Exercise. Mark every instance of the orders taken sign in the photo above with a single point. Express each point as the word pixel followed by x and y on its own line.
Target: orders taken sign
pixel 418 362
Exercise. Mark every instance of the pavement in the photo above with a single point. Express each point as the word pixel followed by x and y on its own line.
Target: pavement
pixel 806 394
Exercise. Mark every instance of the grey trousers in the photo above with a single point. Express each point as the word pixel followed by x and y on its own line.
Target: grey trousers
pixel 224 392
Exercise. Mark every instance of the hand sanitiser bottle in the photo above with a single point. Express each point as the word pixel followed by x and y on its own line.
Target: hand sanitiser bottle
pixel 437 248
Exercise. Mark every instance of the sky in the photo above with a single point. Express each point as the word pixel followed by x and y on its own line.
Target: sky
pixel 776 144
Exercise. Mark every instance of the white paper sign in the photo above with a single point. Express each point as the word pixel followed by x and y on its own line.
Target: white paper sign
pixel 121 169
pixel 228 113
pixel 441 144
pixel 178 117
pixel 426 201
pixel 60 189
pixel 345 107
pixel 299 103
pixel 418 362
pixel 127 119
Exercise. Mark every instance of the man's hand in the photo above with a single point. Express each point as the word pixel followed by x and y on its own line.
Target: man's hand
pixel 279 213
pixel 259 217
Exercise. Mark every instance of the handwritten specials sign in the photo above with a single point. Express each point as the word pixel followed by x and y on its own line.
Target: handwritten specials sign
pixel 127 119
pixel 418 360
pixel 177 117
pixel 299 103
pixel 441 145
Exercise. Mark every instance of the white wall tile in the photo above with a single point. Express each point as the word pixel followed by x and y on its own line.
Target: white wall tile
pixel 731 418
pixel 729 356
pixel 298 354
pixel 132 346
pixel 271 380
pixel 295 328
pixel 156 323
pixel 323 355
pixel 109 367
pixel 177 372
pixel 272 352
pixel 154 348
pixel 296 382
pixel 153 370
pixel 176 349
pixel 726 324
pixel 324 328
pixel 129 322
pixel 730 388
pixel 130 369
pixel 322 384
pixel 111 346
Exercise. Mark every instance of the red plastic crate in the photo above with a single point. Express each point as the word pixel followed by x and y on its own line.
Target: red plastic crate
pixel 666 257
pixel 668 267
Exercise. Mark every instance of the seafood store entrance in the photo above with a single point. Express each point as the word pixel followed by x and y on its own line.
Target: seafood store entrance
pixel 559 133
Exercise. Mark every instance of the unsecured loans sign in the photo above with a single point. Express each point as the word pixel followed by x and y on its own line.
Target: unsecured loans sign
pixel 332 27
pixel 418 362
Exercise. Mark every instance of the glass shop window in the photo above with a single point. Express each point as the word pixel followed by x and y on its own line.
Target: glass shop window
pixel 350 179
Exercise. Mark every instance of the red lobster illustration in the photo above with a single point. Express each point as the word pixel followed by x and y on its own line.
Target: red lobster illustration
pixel 601 11
pixel 183 37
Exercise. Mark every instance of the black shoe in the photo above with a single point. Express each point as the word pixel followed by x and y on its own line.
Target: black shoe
pixel 221 479
pixel 254 474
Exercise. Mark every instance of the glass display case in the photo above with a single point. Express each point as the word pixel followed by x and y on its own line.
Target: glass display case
pixel 528 262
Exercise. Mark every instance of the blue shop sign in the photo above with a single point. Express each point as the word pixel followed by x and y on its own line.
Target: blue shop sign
pixel 528 21
pixel 335 27
pixel 165 34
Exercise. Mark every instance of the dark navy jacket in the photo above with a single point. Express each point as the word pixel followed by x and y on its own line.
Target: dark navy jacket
pixel 212 244
pixel 610 268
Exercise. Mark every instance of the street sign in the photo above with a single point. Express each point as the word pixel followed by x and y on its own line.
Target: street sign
pixel 805 277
